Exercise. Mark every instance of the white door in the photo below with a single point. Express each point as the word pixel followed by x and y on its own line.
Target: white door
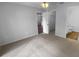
pixel 45 23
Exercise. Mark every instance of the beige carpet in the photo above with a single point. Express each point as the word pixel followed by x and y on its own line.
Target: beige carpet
pixel 43 45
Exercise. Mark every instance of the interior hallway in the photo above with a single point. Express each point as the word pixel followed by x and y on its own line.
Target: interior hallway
pixel 43 45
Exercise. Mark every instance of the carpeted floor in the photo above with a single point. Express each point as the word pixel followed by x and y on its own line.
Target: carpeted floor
pixel 43 45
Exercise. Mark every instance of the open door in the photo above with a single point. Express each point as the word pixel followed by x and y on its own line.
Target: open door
pixel 45 23
pixel 48 22
pixel 40 27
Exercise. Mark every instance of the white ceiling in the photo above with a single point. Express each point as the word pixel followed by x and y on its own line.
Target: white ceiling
pixel 32 4
pixel 38 4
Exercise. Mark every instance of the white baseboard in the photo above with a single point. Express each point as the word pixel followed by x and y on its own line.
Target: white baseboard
pixel 8 42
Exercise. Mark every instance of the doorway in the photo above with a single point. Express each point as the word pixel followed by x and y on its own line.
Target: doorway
pixel 52 19
pixel 40 27
pixel 48 22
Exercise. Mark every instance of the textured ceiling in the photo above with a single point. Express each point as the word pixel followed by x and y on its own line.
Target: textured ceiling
pixel 38 5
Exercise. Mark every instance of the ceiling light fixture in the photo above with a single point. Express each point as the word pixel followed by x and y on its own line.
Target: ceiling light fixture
pixel 44 5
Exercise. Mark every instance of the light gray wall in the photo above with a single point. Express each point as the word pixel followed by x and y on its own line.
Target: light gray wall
pixel 73 18
pixel 52 6
pixel 60 26
pixel 16 22
pixel 67 18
